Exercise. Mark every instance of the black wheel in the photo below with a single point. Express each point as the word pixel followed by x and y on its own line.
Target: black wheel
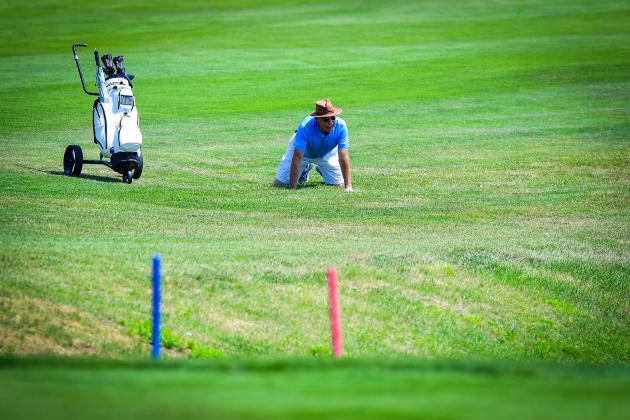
pixel 138 171
pixel 73 160
pixel 127 176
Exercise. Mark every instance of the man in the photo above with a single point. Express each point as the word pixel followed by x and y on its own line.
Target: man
pixel 322 140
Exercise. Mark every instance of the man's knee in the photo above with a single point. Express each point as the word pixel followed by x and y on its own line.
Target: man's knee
pixel 278 183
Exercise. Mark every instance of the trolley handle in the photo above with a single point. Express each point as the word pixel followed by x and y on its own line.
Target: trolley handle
pixel 76 58
pixel 74 50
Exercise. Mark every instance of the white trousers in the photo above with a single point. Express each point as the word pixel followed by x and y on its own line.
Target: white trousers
pixel 328 165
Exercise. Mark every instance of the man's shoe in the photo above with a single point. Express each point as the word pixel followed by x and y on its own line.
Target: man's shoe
pixel 319 171
pixel 304 175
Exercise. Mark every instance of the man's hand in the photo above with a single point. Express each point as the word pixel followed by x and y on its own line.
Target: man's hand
pixel 349 189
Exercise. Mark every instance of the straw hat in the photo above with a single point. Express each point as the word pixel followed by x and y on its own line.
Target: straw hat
pixel 325 108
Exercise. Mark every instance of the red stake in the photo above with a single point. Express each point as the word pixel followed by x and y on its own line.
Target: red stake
pixel 335 312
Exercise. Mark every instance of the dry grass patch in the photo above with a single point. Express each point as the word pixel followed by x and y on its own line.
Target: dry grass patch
pixel 35 326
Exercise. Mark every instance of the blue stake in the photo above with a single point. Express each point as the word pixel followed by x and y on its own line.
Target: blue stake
pixel 156 306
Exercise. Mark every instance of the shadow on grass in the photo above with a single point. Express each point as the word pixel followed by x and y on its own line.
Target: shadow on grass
pixel 90 177
pixel 304 186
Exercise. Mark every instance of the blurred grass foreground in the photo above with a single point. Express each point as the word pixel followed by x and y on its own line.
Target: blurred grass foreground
pixel 483 261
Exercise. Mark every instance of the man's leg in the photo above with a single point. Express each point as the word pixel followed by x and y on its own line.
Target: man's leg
pixel 283 174
pixel 328 167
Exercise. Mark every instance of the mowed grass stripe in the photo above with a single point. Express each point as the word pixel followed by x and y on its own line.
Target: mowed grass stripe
pixel 489 144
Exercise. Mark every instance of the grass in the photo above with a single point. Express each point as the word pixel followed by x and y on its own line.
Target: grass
pixel 490 154
pixel 315 388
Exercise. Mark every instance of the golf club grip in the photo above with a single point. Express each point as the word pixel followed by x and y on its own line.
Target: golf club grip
pixel 96 58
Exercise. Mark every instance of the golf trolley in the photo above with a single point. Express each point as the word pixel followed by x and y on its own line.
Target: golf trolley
pixel 114 122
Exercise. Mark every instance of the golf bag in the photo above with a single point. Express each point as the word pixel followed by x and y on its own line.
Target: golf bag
pixel 115 121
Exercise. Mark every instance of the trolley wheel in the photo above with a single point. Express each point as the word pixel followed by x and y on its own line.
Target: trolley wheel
pixel 73 160
pixel 127 176
pixel 138 171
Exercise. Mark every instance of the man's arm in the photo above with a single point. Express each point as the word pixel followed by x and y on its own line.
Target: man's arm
pixel 296 162
pixel 344 163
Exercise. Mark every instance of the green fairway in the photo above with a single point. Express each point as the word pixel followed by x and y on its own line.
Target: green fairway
pixel 490 148
pixel 490 151
pixel 300 389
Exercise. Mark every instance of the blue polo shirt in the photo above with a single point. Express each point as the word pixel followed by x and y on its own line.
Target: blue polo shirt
pixel 310 139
